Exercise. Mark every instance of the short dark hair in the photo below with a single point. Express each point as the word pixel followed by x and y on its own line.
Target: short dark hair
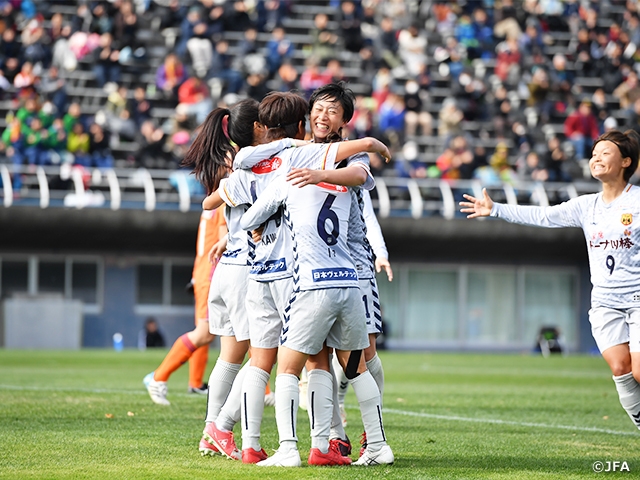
pixel 629 145
pixel 338 92
pixel 281 113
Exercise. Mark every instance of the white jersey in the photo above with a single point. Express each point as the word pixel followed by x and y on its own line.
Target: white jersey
pixel 258 167
pixel 318 217
pixel 374 233
pixel 240 246
pixel 613 240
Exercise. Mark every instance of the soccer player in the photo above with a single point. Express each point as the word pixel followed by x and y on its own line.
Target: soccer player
pixel 194 345
pixel 212 154
pixel 331 107
pixel 325 307
pixel 270 283
pixel 613 241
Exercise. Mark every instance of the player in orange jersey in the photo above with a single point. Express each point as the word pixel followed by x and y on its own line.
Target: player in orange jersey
pixel 194 345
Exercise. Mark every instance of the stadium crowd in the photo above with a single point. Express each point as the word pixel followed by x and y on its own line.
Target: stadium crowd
pixel 499 90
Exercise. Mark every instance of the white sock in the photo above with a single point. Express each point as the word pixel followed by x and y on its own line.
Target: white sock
pixel 252 404
pixel 230 412
pixel 629 393
pixel 337 430
pixel 287 398
pixel 220 382
pixel 343 383
pixel 368 397
pixel 320 408
pixel 375 367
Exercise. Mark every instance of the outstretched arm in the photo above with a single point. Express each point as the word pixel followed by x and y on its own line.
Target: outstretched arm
pixel 366 144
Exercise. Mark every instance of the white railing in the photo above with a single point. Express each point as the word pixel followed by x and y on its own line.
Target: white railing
pixel 55 186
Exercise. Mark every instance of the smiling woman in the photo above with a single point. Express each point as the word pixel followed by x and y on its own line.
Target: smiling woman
pixel 613 242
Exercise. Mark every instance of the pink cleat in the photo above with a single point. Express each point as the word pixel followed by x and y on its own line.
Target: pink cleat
pixel 223 441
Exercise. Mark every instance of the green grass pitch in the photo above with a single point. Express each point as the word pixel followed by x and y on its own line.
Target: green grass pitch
pixel 86 414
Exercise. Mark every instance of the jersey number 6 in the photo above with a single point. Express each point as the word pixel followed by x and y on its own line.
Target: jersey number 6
pixel 330 238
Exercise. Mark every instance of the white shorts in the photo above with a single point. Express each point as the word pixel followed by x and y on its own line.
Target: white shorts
pixel 331 314
pixel 371 302
pixel 611 327
pixel 227 296
pixel 265 304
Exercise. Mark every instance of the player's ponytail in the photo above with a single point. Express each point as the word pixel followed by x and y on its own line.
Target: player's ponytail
pixel 211 153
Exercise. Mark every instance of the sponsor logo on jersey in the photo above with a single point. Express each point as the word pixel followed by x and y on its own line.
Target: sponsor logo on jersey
pixel 270 266
pixel 267 165
pixel 337 273
pixel 334 188
pixel 626 219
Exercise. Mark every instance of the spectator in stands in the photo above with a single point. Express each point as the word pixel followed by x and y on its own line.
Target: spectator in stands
pixel 561 80
pixel 412 48
pixel 73 116
pixel 362 123
pixel 498 171
pixel 387 45
pixel 539 88
pixel 63 56
pixel 531 40
pixel 170 75
pixel 249 43
pixel 106 61
pixel 169 14
pixel 469 93
pixel 237 17
pixel 81 21
pixel 34 148
pixel 324 39
pixel 415 112
pixel 628 91
pixel 53 88
pixel 334 73
pixel 195 97
pixel 508 61
pixel 78 143
pixel 99 149
pixel 29 110
pixel 32 38
pixel 25 80
pixel 349 20
pixel 117 115
pixel 101 22
pixel 391 118
pixel 152 152
pixel 483 31
pixel 223 66
pixel 271 13
pixel 312 77
pixel 12 145
pixel 556 161
pixel 286 78
pixel 125 28
pixel 633 120
pixel 257 86
pixel 580 50
pixel 279 48
pixel 56 143
pixel 581 128
pixel 531 169
pixel 452 160
pixel 450 119
pixel 138 106
pixel 192 24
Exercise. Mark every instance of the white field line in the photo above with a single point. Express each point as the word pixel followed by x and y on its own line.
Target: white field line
pixel 454 418
pixel 391 411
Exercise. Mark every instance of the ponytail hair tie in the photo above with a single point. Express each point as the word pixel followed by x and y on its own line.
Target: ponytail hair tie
pixel 225 126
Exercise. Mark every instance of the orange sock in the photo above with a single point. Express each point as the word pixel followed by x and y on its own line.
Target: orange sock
pixel 267 390
pixel 197 366
pixel 180 352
